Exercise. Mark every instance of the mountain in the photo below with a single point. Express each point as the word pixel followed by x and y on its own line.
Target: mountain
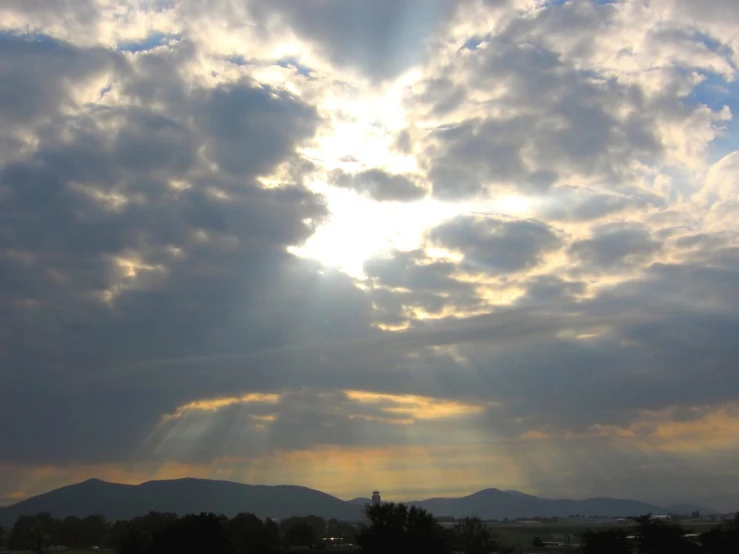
pixel 687 509
pixel 182 496
pixel 497 504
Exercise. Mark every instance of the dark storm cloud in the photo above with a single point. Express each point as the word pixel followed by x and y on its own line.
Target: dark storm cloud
pixel 495 245
pixel 616 245
pixel 380 185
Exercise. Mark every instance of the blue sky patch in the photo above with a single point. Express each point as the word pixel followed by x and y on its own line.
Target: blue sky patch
pixel 715 92
pixel 149 43
pixel 291 62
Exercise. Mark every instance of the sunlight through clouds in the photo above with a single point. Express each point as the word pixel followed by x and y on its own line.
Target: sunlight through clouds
pixel 455 244
pixel 359 228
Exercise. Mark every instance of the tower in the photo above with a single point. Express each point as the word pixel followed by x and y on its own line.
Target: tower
pixel 375 498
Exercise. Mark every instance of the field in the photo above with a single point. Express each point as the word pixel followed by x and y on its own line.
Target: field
pixel 522 536
pixel 70 551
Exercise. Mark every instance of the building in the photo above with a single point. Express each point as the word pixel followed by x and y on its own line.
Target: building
pixel 376 498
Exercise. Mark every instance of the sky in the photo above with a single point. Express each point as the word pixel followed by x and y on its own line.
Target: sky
pixel 421 246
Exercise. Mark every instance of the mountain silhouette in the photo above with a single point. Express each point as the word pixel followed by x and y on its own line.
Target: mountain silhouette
pixel 497 504
pixel 182 496
pixel 687 509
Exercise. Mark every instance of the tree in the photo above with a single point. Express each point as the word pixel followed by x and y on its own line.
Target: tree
pixel 133 541
pixel 344 532
pixel 95 531
pixel 723 539
pixel 135 536
pixel 2 536
pixel 657 537
pixel 83 533
pixel 398 529
pixel 472 536
pixel 40 537
pixel 302 531
pixel 34 532
pixel 606 541
pixel 193 534
pixel 250 535
pixel 70 532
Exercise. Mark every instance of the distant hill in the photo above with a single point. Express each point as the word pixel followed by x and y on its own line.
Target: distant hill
pixel 182 496
pixel 497 504
pixel 687 509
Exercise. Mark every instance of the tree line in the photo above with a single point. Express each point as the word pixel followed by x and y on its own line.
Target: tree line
pixel 653 536
pixel 390 528
pixel 161 533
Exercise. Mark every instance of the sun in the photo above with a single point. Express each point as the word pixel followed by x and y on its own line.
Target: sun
pixel 512 205
pixel 360 228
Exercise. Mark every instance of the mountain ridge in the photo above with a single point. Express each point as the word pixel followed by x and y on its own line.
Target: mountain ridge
pixel 191 495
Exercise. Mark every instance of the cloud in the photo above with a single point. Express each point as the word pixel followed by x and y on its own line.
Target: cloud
pixel 414 272
pixel 493 245
pixel 549 264
pixel 124 242
pixel 378 39
pixel 42 75
pixel 380 185
pixel 547 122
pixel 545 289
pixel 257 425
pixel 579 204
pixel 40 14
pixel 615 245
pixel 251 129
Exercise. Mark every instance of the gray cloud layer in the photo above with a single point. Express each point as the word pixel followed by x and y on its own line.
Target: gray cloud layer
pixel 150 204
